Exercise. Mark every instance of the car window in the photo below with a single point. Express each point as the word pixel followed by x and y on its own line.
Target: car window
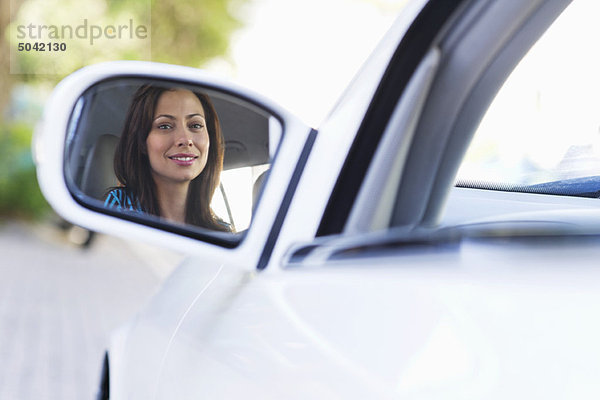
pixel 542 131
pixel 234 201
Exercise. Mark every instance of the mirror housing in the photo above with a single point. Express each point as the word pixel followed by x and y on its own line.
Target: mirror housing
pixel 71 198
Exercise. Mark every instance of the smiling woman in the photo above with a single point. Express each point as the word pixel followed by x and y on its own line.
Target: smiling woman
pixel 170 156
pixel 153 151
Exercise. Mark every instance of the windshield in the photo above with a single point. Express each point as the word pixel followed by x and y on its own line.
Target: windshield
pixel 542 132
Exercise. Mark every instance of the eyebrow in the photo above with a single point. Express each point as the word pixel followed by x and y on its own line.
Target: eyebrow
pixel 172 117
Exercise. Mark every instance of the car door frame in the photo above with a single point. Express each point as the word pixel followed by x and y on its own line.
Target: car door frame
pixel 479 43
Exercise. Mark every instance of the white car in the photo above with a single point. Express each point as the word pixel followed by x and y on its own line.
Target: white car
pixel 388 255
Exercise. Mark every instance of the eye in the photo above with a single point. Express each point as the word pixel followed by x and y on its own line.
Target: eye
pixel 163 126
pixel 196 125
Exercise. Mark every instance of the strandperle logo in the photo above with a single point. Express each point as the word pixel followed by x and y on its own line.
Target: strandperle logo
pixel 83 31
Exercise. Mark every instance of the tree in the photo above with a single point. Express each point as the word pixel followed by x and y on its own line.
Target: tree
pixel 189 32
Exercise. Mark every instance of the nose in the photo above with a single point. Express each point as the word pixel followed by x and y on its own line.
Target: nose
pixel 185 143
pixel 184 139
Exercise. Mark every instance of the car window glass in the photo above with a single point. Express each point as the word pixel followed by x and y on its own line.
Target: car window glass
pixel 133 143
pixel 238 194
pixel 542 132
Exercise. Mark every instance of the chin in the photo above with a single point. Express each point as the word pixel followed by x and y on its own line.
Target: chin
pixel 190 178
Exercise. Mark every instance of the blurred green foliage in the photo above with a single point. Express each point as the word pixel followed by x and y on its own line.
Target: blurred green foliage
pixel 189 32
pixel 20 195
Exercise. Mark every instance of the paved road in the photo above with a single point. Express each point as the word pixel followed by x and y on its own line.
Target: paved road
pixel 58 303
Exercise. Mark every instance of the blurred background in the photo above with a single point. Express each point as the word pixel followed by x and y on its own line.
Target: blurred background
pixel 61 292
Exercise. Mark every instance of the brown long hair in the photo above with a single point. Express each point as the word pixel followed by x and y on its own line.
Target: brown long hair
pixel 132 166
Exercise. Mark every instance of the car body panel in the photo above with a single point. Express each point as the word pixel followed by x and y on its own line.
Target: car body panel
pixel 148 336
pixel 466 320
pixel 470 205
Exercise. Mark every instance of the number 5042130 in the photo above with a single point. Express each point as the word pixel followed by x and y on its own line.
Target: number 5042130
pixel 42 46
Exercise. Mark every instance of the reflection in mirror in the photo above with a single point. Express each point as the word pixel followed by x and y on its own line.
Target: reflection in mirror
pixel 170 152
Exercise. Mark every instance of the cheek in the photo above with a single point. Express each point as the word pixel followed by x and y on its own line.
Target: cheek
pixel 203 142
pixel 155 146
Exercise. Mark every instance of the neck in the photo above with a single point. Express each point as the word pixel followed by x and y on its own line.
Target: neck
pixel 172 199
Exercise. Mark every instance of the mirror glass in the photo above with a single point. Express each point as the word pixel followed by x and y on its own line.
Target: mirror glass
pixel 171 154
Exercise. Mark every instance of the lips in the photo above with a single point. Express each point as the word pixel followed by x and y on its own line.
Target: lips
pixel 183 159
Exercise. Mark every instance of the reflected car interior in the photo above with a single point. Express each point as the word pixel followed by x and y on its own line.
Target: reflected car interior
pixel 99 121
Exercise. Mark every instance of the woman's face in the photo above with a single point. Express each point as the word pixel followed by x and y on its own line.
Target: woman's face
pixel 178 142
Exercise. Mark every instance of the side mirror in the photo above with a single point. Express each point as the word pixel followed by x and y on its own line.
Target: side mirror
pixel 163 151
pixel 106 151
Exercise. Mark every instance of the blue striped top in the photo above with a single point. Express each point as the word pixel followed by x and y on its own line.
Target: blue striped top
pixel 121 200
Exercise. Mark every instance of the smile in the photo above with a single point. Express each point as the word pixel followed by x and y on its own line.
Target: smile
pixel 183 159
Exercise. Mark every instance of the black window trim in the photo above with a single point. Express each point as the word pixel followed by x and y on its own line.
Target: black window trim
pixel 413 47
